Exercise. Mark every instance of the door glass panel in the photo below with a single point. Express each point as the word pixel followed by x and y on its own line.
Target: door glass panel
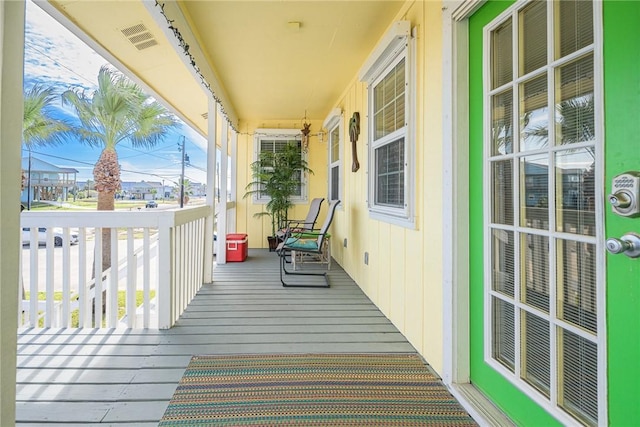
pixel 575 191
pixel 577 299
pixel 575 115
pixel 502 262
pixel 501 55
pixel 534 118
pixel 502 190
pixel 533 37
pixel 536 360
pixel 535 271
pixel 534 178
pixel 574 26
pixel 578 377
pixel 504 340
pixel 502 123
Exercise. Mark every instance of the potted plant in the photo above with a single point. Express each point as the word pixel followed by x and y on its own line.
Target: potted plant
pixel 277 175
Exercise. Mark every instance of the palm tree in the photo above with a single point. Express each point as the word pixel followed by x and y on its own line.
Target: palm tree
pixel 39 127
pixel 118 110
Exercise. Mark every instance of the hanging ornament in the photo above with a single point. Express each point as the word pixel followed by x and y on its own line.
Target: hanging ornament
pixel 306 130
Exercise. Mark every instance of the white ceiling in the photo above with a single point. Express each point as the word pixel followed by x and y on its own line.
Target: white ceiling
pixel 275 59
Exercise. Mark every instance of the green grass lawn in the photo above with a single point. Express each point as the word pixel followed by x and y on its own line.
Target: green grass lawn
pixel 122 295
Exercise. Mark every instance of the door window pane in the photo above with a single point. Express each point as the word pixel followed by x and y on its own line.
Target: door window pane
pixel 502 123
pixel 575 191
pixel 578 372
pixel 574 108
pixel 501 55
pixel 575 26
pixel 536 360
pixel 577 301
pixel 502 266
pixel 535 271
pixel 502 191
pixel 533 37
pixel 504 340
pixel 534 117
pixel 534 178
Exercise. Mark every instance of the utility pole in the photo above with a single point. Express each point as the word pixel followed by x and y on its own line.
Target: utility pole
pixel 184 160
pixel 29 182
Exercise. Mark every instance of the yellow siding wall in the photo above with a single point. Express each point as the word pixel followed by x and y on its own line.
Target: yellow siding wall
pixel 404 274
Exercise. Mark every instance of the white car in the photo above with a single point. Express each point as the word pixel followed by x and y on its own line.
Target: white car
pixel 58 236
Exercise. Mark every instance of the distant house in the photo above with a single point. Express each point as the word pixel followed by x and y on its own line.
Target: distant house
pixel 142 190
pixel 45 181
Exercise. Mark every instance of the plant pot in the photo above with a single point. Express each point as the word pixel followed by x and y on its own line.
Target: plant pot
pixel 273 243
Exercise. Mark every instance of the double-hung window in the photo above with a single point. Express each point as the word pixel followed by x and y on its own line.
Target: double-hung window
pixel 389 73
pixel 333 124
pixel 275 140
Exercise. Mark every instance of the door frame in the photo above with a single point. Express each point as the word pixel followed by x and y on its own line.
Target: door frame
pixel 456 280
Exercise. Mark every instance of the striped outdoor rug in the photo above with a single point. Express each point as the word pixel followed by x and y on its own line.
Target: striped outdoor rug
pixel 312 390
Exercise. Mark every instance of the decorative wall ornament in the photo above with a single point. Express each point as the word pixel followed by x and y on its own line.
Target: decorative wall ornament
pixel 306 129
pixel 354 132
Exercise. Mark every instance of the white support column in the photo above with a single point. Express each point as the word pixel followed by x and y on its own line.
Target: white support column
pixel 222 215
pixel 211 191
pixel 233 185
pixel 11 83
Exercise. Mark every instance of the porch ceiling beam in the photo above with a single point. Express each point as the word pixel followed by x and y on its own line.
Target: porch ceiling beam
pixel 169 17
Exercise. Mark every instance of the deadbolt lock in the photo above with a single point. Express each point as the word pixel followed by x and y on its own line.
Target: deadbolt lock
pixel 625 194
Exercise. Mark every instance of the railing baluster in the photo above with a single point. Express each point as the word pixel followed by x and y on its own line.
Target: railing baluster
pixel 66 278
pixel 50 302
pixel 97 283
pixel 132 271
pixel 33 282
pixel 84 313
pixel 112 292
pixel 146 280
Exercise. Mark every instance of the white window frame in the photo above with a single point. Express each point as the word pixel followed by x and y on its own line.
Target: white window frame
pixel 283 135
pixel 549 404
pixel 397 44
pixel 333 121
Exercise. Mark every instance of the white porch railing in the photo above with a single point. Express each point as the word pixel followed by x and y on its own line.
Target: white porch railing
pixel 157 266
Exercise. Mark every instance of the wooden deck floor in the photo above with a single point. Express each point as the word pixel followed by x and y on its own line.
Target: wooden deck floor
pixel 127 377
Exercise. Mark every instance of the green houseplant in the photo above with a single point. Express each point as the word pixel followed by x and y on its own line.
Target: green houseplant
pixel 277 175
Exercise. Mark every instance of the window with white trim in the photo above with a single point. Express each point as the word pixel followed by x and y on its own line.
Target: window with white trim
pixel 543 284
pixel 391 122
pixel 335 128
pixel 275 140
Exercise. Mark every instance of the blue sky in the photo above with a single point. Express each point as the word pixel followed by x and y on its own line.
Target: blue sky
pixel 55 57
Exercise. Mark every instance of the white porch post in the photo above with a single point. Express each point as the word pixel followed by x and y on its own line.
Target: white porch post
pixel 211 190
pixel 222 215
pixel 12 15
pixel 233 185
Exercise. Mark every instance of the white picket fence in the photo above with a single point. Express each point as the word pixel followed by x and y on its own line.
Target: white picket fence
pixel 157 255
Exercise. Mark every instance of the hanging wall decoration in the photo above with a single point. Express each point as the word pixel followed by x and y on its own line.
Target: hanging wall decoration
pixel 306 129
pixel 354 132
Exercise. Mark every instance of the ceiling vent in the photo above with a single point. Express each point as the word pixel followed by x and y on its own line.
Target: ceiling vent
pixel 139 36
pixel 205 115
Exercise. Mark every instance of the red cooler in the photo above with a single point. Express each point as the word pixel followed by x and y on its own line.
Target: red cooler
pixel 237 247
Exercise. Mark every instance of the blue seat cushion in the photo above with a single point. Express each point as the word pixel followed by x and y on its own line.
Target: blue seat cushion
pixel 294 243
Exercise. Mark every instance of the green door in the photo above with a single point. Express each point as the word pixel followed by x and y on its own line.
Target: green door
pixel 555 329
